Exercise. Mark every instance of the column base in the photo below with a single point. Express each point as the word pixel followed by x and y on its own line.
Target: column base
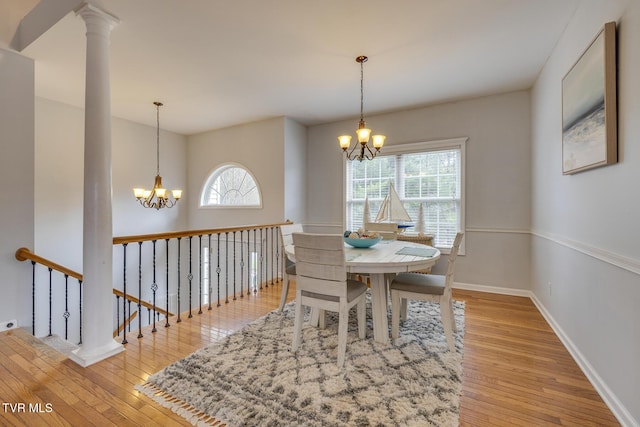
pixel 85 357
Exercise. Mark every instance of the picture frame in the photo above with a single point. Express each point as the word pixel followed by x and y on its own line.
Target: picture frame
pixel 589 116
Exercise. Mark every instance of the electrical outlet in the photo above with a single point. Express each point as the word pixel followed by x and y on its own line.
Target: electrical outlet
pixel 11 324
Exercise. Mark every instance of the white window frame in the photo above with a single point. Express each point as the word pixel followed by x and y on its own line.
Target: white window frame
pixel 421 147
pixel 213 175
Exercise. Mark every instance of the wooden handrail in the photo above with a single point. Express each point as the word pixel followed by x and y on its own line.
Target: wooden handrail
pixel 124 325
pixel 175 234
pixel 24 254
pixel 142 303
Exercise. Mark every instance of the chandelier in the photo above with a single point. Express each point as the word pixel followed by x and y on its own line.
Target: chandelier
pixel 158 197
pixel 362 132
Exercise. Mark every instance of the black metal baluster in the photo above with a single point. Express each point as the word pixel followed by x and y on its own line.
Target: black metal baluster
pixel 166 325
pixel 209 275
pixel 50 300
pixel 234 266
pixel 140 290
pixel 265 257
pixel 278 263
pixel 218 269
pixel 66 307
pixel 118 314
pixel 200 273
pixel 81 320
pixel 255 251
pixel 179 319
pixel 33 298
pixel 271 251
pixel 260 260
pixel 190 276
pixel 241 264
pixel 129 305
pixel 154 287
pixel 124 299
pixel 226 267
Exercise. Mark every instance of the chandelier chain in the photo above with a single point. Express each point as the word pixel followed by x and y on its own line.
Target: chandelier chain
pixel 158 197
pixel 361 90
pixel 158 104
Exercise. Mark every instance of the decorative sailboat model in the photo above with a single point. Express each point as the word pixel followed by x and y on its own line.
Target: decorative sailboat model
pixel 392 210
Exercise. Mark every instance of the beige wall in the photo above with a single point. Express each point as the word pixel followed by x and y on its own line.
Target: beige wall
pixel 497 178
pixel 16 174
pixel 585 252
pixel 59 180
pixel 260 148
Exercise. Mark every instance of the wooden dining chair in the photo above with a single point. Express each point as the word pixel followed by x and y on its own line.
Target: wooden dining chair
pixel 289 266
pixel 426 287
pixel 321 283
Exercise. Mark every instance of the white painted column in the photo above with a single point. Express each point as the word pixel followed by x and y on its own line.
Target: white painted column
pixel 97 309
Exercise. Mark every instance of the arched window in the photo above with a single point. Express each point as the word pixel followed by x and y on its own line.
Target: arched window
pixel 231 185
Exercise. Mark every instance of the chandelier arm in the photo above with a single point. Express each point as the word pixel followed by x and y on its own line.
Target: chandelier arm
pixel 350 152
pixel 370 152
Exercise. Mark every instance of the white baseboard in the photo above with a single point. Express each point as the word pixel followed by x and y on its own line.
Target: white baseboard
pixel 493 289
pixel 9 324
pixel 609 398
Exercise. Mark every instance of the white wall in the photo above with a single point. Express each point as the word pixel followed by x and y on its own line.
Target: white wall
pixel 295 176
pixel 497 178
pixel 16 173
pixel 585 253
pixel 257 146
pixel 59 180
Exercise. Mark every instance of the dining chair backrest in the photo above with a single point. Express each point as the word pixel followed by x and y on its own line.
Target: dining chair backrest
pixel 320 263
pixel 287 230
pixel 388 230
pixel 451 262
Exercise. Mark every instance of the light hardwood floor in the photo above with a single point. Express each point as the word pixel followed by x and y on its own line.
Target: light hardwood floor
pixel 516 371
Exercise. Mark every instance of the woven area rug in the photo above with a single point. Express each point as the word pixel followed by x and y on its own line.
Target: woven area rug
pixel 251 378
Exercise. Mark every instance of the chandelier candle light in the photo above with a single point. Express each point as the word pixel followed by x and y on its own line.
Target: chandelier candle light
pixel 363 132
pixel 158 197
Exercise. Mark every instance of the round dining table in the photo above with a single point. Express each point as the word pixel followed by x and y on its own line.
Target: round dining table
pixel 386 257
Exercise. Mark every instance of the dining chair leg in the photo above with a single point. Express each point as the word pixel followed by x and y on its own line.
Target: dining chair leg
pixel 297 327
pixel 453 318
pixel 362 318
pixel 343 329
pixel 395 315
pixel 403 309
pixel 283 296
pixel 445 315
pixel 322 319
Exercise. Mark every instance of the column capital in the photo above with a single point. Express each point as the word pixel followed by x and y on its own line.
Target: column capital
pixel 89 11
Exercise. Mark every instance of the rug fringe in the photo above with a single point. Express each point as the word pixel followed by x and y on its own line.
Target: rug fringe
pixel 179 407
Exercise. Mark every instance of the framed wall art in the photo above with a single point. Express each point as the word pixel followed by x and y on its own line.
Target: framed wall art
pixel 589 118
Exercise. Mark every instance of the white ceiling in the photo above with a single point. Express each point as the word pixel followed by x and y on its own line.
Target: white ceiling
pixel 216 63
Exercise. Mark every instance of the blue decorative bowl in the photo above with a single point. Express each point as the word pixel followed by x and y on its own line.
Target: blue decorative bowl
pixel 361 243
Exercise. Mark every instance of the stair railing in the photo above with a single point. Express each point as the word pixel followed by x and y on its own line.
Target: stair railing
pixel 203 267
